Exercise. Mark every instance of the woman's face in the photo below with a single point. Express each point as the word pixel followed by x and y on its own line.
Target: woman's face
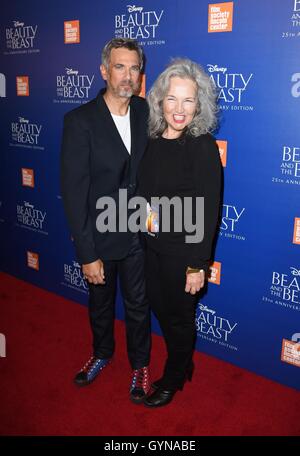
pixel 179 106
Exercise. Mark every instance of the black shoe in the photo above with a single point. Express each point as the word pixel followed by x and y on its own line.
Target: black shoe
pixel 160 397
pixel 189 374
pixel 155 385
pixel 90 370
pixel 140 384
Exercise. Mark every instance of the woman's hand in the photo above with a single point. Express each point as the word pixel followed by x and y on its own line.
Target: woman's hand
pixel 194 282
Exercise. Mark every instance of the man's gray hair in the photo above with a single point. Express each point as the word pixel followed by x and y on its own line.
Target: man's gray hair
pixel 116 43
pixel 205 119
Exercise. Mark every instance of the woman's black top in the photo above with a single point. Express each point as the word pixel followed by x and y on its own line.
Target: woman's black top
pixel 183 167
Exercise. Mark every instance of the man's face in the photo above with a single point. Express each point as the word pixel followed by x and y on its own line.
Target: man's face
pixel 123 73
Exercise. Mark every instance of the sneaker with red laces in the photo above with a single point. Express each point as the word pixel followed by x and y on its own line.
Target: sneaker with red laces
pixel 140 384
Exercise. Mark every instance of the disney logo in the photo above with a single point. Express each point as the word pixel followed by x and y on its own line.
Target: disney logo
pixel 28 204
pixel 296 337
pixel 133 8
pixel 295 272
pixel 22 120
pixel 214 68
pixel 70 71
pixel 76 264
pixel 18 24
pixel 202 307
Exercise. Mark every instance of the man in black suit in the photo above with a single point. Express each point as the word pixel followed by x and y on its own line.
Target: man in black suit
pixel 103 142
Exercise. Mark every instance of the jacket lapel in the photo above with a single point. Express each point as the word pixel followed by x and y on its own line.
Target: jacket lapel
pixel 134 122
pixel 109 124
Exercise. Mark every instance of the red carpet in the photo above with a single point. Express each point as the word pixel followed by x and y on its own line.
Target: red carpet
pixel 48 338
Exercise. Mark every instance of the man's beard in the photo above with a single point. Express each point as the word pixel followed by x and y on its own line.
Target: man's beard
pixel 128 91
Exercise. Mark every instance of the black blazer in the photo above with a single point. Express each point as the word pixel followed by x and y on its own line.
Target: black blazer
pixel 96 163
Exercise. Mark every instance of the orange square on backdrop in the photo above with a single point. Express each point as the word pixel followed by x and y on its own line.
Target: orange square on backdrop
pixel 72 32
pixel 215 273
pixel 22 86
pixel 290 352
pixel 33 260
pixel 28 177
pixel 296 237
pixel 223 151
pixel 220 17
pixel 143 86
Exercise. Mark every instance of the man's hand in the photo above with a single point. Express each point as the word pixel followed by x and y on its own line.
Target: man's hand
pixel 94 272
pixel 194 282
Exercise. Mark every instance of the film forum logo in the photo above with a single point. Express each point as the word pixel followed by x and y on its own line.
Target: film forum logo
pixel 214 328
pixel 296 236
pixel 142 92
pixel 73 87
pixel 139 25
pixel 72 32
pixel 33 260
pixel 231 87
pixel 22 83
pixel 20 38
pixel 220 17
pixel 214 273
pixel 222 145
pixel 285 289
pixel 290 351
pixel 25 133
pixel 27 177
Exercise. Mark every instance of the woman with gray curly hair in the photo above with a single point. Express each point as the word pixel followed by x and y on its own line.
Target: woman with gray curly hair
pixel 181 163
